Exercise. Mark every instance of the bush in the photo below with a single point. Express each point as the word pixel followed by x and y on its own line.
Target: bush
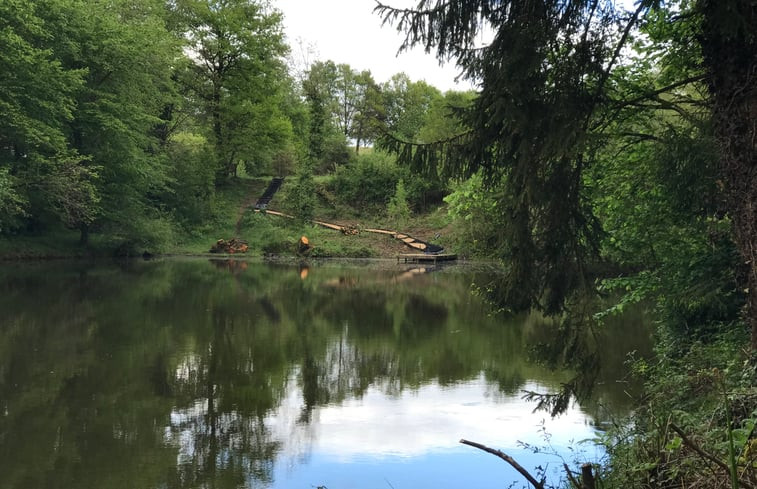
pixel 336 153
pixel 301 197
pixel 368 183
pixel 475 210
pixel 153 234
pixel 398 210
pixel 192 179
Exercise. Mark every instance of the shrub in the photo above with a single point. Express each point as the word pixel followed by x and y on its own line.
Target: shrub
pixel 368 183
pixel 398 209
pixel 301 197
pixel 192 187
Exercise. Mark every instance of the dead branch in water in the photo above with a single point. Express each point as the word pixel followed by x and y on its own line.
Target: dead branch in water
pixel 507 458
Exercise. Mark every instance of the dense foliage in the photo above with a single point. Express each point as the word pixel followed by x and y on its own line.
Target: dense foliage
pixel 618 143
pixel 566 89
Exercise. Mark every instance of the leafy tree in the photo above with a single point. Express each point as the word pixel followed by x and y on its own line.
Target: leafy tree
pixel 728 37
pixel 350 100
pixel 442 119
pixel 11 203
pixel 38 171
pixel 408 105
pixel 370 110
pixel 126 51
pixel 237 47
pixel 319 88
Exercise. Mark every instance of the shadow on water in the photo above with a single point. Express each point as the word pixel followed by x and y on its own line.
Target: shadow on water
pixel 170 373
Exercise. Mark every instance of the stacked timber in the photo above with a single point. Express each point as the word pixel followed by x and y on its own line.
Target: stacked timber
pixel 234 245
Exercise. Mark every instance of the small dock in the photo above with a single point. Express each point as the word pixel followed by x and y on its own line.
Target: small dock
pixel 425 257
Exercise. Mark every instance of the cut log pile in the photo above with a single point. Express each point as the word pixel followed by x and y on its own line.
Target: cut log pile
pixel 234 245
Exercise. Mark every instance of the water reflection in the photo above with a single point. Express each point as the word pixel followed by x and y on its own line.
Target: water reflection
pixel 420 422
pixel 189 373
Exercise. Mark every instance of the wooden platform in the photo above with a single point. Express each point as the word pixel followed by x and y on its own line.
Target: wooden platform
pixel 426 257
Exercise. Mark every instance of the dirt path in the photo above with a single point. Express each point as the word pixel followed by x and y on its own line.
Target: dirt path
pixel 248 201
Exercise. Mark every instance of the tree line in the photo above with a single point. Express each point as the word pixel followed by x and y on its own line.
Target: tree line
pixel 123 118
pixel 597 136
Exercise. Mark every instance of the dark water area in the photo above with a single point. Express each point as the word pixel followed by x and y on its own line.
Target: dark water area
pixel 192 373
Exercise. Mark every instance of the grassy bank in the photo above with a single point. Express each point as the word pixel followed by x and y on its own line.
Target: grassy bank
pixel 233 216
pixel 695 425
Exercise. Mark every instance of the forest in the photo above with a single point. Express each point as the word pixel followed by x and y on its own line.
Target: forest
pixel 604 150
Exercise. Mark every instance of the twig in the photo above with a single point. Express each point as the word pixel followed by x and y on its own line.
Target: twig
pixel 689 443
pixel 507 458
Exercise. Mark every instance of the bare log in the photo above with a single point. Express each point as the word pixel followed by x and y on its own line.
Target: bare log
pixel 507 458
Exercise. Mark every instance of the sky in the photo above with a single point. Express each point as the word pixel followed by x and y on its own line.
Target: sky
pixel 347 31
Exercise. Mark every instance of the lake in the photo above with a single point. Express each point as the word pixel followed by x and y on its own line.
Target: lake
pixel 196 373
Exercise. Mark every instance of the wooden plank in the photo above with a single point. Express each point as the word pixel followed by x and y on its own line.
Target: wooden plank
pixel 424 257
pixel 380 231
pixel 329 225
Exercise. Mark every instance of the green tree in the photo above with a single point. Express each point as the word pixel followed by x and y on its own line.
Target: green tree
pixel 327 145
pixel 127 52
pixel 39 173
pixel 408 105
pixel 443 118
pixel 318 90
pixel 370 111
pixel 728 37
pixel 548 93
pixel 237 47
pixel 352 101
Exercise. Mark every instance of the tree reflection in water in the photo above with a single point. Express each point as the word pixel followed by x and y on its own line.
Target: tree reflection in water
pixel 177 373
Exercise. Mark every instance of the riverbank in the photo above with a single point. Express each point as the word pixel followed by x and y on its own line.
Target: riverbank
pixel 235 217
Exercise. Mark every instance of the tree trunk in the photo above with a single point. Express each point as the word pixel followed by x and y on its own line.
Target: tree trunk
pixel 587 477
pixel 729 45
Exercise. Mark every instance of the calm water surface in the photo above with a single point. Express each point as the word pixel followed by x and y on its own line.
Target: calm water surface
pixel 233 374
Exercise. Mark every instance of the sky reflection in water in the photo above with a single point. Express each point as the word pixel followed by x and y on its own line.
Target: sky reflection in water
pixel 413 439
pixel 194 374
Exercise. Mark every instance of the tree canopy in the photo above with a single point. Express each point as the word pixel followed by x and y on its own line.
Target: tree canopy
pixel 554 82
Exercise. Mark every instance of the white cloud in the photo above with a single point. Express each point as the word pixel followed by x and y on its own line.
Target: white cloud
pixel 417 423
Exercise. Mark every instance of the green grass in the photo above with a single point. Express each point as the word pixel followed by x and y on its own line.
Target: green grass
pixel 228 201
